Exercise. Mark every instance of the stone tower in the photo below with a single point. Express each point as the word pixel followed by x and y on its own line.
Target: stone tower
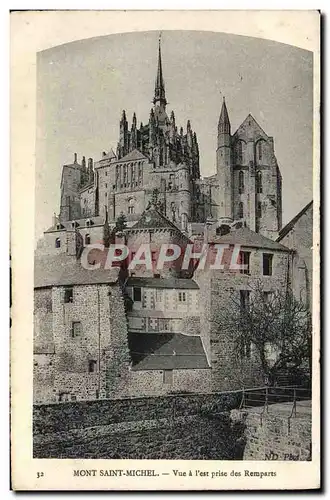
pixel 250 183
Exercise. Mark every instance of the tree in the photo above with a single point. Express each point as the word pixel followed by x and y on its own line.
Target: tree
pixel 121 223
pixel 275 324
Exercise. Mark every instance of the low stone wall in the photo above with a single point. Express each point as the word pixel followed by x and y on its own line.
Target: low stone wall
pixel 194 437
pixel 275 436
pixel 82 414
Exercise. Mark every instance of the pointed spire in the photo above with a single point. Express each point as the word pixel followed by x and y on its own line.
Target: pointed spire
pixel 224 123
pixel 134 120
pixel 159 85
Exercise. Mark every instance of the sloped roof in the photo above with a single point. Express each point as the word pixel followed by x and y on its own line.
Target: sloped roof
pixel 109 156
pixel 254 124
pixel 63 269
pixel 247 238
pixel 96 221
pixel 166 351
pixel 169 283
pixel 133 155
pixel 153 219
pixel 287 228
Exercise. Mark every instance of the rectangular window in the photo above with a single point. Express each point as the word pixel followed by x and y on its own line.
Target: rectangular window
pixel 92 366
pixel 159 294
pixel 182 297
pixel 244 299
pixel 267 264
pixel 168 377
pixel 75 329
pixel 268 297
pixel 245 261
pixel 68 294
pixel 137 294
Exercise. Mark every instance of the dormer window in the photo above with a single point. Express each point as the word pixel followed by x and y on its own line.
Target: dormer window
pixel 58 226
pixel 57 243
pixel 87 239
pixel 74 224
pixel 88 222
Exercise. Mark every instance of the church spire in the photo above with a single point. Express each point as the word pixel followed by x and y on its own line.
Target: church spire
pixel 224 123
pixel 159 85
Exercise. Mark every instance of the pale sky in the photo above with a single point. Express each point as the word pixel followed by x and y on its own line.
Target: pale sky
pixel 84 86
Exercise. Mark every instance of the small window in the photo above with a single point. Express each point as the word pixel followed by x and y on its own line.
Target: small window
pixel 240 210
pixel 245 261
pixel 106 173
pixel 68 294
pixel 267 264
pixel 260 150
pixel 87 239
pixel 73 398
pixel 131 209
pixel 244 299
pixel 76 329
pixel 106 185
pixel 137 295
pixel 182 296
pixel 241 182
pixel 92 366
pixel 168 377
pixel 57 243
pixel 259 182
pixel 267 297
pixel 159 294
pixel 259 210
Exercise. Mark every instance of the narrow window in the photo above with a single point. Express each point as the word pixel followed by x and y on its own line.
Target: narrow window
pixel 182 296
pixel 245 261
pixel 92 366
pixel 168 377
pixel 57 243
pixel 260 150
pixel 76 329
pixel 244 299
pixel 259 210
pixel 68 294
pixel 259 182
pixel 240 210
pixel 267 264
pixel 241 182
pixel 239 152
pixel 137 295
pixel 87 239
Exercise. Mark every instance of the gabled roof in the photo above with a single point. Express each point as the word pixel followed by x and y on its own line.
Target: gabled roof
pixel 62 270
pixel 287 228
pixel 133 155
pixel 153 219
pixel 166 351
pixel 109 156
pixel 245 124
pixel 247 238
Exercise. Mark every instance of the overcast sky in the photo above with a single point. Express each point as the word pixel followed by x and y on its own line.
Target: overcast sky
pixel 84 86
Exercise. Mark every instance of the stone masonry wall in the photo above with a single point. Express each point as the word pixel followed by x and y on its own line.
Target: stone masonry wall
pixel 275 437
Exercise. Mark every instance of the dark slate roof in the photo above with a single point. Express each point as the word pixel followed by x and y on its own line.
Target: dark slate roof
pixel 96 221
pixel 247 238
pixel 166 351
pixel 62 269
pixel 133 155
pixel 179 283
pixel 153 219
pixel 287 228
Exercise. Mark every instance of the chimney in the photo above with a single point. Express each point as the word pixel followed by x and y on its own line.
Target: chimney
pixel 104 153
pixel 75 158
pixel 90 163
pixel 83 162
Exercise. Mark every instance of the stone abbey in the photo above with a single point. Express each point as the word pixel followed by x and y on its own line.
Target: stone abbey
pixel 159 163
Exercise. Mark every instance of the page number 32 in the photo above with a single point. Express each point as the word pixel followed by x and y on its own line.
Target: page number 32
pixel 40 474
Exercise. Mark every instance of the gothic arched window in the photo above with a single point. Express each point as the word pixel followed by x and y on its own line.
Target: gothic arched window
pixel 57 243
pixel 240 210
pixel 259 147
pixel 259 182
pixel 87 239
pixel 241 182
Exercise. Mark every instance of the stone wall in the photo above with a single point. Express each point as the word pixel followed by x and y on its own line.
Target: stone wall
pixel 273 436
